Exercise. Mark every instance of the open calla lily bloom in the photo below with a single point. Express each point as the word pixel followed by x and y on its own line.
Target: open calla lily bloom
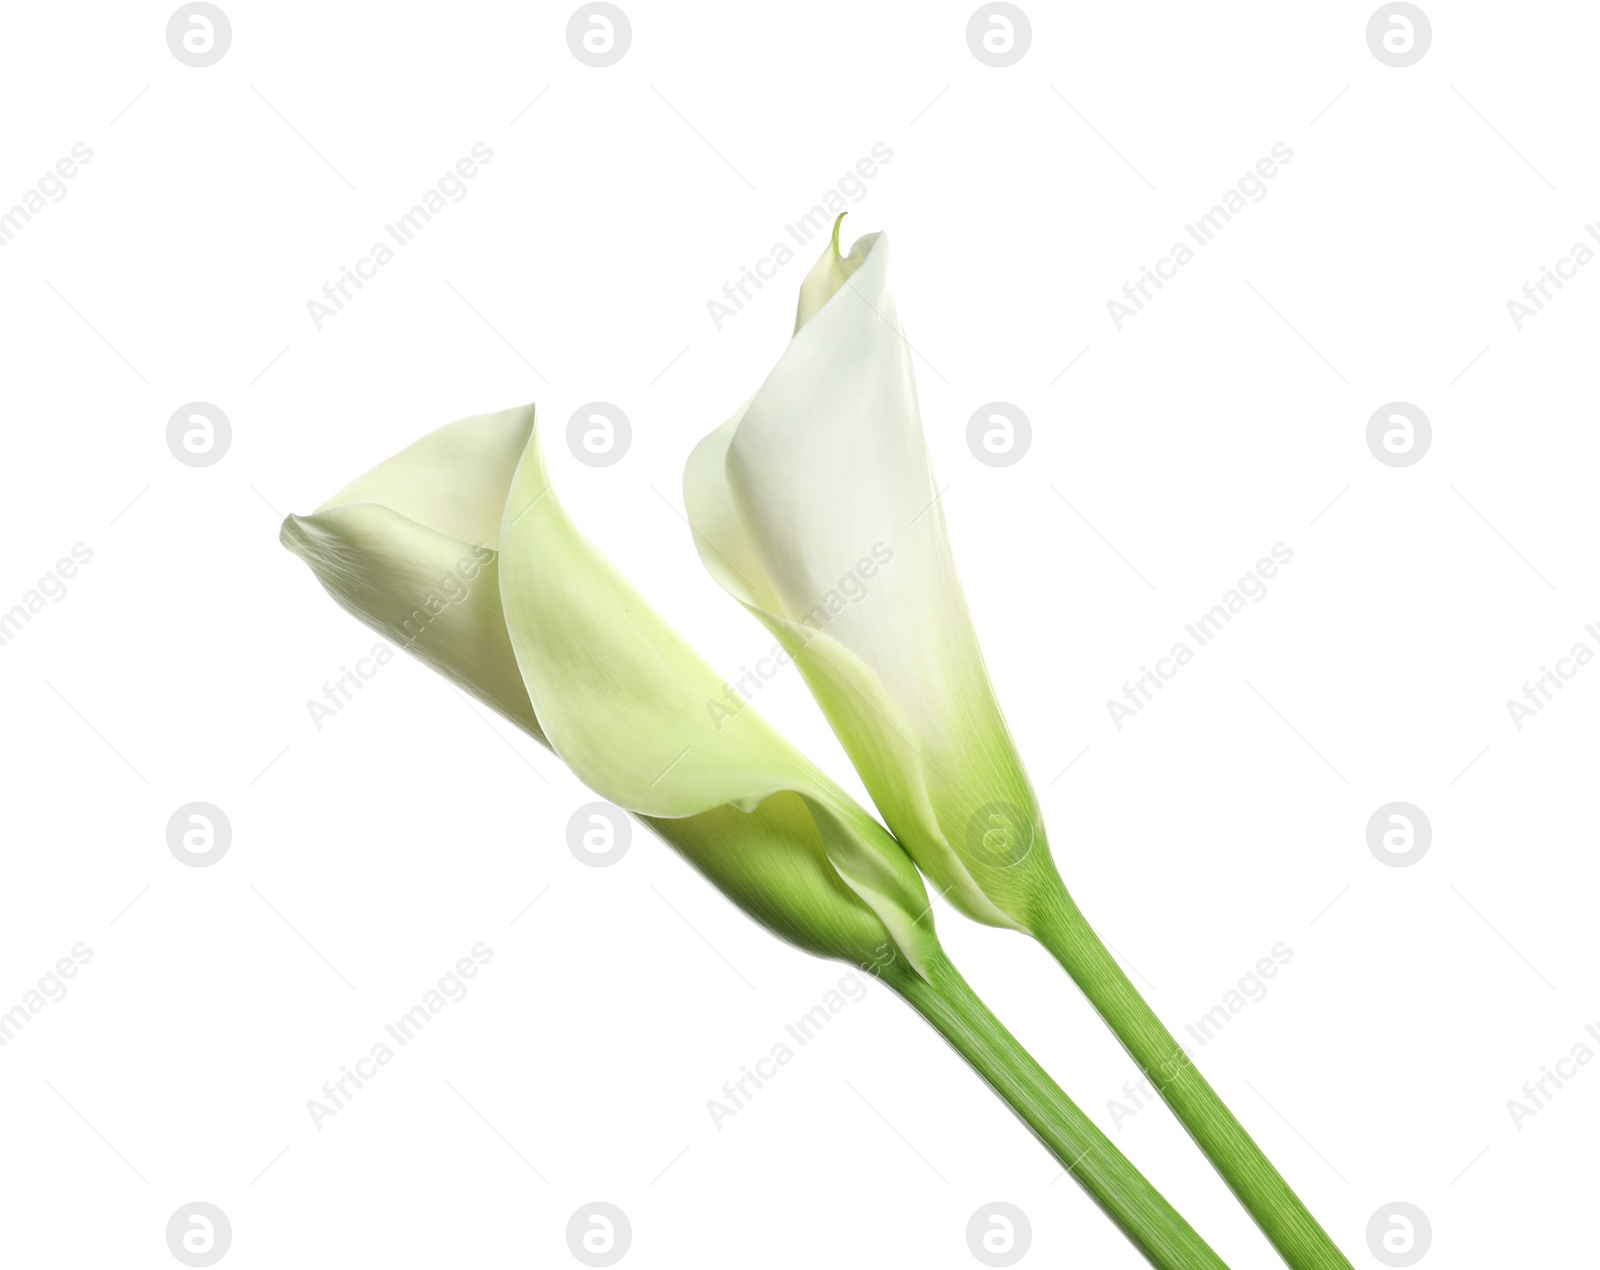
pixel 820 488
pixel 458 549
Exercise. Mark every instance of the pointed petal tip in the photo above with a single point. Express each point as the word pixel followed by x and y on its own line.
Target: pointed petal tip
pixel 308 535
pixel 292 534
pixel 833 270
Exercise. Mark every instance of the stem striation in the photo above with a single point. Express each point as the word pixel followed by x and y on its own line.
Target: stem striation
pixel 948 1002
pixel 1285 1221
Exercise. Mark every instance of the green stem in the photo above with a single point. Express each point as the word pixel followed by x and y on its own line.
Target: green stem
pixel 1294 1232
pixel 948 1002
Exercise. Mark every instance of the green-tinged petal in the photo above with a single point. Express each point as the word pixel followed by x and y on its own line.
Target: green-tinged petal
pixel 454 479
pixel 644 722
pixel 433 596
pixel 408 549
pixel 773 863
pixel 817 508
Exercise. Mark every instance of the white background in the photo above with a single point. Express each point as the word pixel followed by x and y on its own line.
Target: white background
pixel 369 855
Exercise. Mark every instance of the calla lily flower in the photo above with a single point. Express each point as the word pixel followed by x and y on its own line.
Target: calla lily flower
pixel 427 549
pixel 816 507
pixel 457 549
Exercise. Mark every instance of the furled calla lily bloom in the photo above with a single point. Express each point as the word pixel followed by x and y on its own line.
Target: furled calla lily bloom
pixel 816 507
pixel 416 549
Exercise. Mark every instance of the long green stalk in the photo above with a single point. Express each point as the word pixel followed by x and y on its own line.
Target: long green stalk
pixel 948 1002
pixel 1293 1231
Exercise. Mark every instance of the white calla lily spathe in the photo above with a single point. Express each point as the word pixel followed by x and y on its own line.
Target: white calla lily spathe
pixel 816 507
pixel 438 546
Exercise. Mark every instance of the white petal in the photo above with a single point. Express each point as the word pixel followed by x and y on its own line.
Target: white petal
pixel 407 549
pixel 826 523
pixel 454 480
pixel 642 720
pixel 829 464
pixel 829 274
